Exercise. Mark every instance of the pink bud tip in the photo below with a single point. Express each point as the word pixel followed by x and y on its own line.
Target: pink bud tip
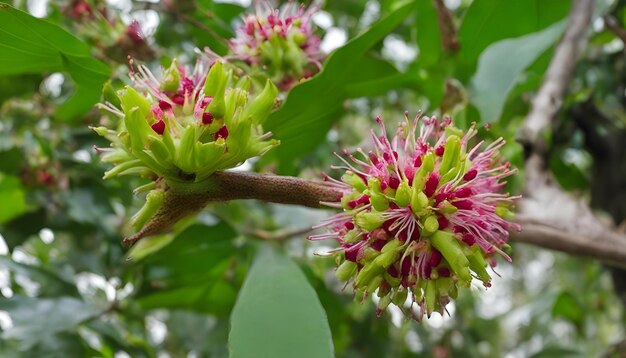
pixel 207 118
pixel 394 183
pixel 431 184
pixel 435 258
pixel 159 127
pixel 470 175
pixel 221 133
pixel 439 150
pixel 164 105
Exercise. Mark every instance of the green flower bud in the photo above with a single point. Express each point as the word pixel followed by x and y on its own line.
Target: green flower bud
pixel 130 99
pixel 352 236
pixel 171 78
pixel 354 181
pixel 399 297
pixel 477 263
pixel 154 200
pixel 451 250
pixel 419 201
pixel 451 154
pixel 369 221
pixel 445 207
pixel 430 225
pixel 259 109
pixel 367 274
pixel 110 96
pixel 430 296
pixel 379 202
pixel 403 194
pixel 346 270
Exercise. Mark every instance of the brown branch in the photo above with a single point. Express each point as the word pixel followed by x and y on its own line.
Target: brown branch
pixel 551 217
pixel 446 27
pixel 549 99
pixel 226 186
pixel 612 24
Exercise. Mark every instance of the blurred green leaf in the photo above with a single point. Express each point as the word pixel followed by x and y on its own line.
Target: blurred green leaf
pixel 52 284
pixel 500 65
pixel 428 34
pixel 35 319
pixel 557 352
pixel 189 271
pixel 31 45
pixel 12 198
pixel 313 106
pixel 278 313
pixel 568 307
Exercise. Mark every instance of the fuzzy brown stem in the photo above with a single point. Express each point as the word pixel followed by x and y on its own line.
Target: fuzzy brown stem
pixel 449 39
pixel 226 186
pixel 270 188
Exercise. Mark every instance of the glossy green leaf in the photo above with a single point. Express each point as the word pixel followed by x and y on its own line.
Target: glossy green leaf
pixel 12 195
pixel 489 21
pixel 500 65
pixel 428 34
pixel 31 45
pixel 313 106
pixel 278 313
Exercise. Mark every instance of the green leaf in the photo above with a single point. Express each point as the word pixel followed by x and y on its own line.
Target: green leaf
pixel 189 271
pixel 52 283
pixel 35 319
pixel 500 65
pixel 568 307
pixel 428 34
pixel 313 106
pixel 489 21
pixel 31 45
pixel 12 197
pixel 278 314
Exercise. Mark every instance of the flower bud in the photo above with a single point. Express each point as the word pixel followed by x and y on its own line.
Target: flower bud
pixel 369 221
pixel 346 270
pixel 171 78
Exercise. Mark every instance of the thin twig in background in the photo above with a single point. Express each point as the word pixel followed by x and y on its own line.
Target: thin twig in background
pixel 449 39
pixel 612 24
pixel 551 217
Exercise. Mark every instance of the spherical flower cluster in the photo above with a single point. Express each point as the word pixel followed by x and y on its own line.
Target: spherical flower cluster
pixel 280 43
pixel 422 215
pixel 182 128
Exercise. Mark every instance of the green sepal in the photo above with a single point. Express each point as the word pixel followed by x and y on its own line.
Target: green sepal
pixel 419 200
pixel 368 273
pixel 109 95
pixel 346 270
pixel 130 99
pixel 354 181
pixel 430 225
pixel 185 153
pixel 369 221
pixel 430 296
pixel 477 263
pixel 403 194
pixel 261 106
pixel 154 200
pixel 451 154
pixel 451 250
pixel 399 297
pixel 171 78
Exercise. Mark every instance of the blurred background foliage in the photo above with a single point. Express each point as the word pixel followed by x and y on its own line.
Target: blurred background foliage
pixel 69 289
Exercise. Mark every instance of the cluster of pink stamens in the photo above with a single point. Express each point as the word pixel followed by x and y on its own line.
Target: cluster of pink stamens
pixel 282 42
pixel 420 212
